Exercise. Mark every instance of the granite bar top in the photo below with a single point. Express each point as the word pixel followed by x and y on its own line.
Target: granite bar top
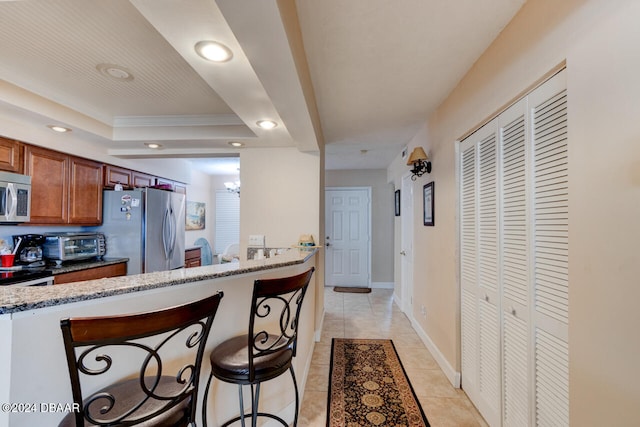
pixel 15 298
pixel 84 265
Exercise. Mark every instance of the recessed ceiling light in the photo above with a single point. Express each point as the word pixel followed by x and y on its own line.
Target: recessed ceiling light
pixel 213 51
pixel 236 144
pixel 267 124
pixel 152 144
pixel 60 129
pixel 115 72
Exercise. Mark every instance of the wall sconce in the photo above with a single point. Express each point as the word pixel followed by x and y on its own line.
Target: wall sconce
pixel 420 162
pixel 233 187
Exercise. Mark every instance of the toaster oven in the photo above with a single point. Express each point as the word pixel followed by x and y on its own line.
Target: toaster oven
pixel 61 247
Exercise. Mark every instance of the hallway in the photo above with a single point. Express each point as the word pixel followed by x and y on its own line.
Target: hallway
pixel 375 315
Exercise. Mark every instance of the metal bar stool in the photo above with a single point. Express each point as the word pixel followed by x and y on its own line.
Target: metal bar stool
pixel 159 395
pixel 268 349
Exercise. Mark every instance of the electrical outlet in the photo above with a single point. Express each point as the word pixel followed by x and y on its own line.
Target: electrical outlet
pixel 256 240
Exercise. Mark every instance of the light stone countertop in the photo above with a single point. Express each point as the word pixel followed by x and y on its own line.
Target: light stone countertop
pixel 15 298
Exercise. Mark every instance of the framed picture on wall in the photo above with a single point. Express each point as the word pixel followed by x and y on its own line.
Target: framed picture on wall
pixel 397 202
pixel 195 217
pixel 427 194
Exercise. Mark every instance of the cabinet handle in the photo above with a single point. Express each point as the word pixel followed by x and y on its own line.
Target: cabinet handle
pixel 512 310
pixel 486 297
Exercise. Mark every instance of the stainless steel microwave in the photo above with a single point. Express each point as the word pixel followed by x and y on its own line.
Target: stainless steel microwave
pixel 15 198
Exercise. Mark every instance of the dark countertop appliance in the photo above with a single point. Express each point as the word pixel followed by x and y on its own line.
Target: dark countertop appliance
pixel 29 266
pixel 29 250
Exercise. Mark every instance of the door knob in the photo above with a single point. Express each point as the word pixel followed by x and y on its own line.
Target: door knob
pixel 403 253
pixel 328 244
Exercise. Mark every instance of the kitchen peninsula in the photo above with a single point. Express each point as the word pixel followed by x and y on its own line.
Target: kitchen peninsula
pixel 32 362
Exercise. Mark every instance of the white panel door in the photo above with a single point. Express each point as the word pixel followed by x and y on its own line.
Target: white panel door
pixel 347 242
pixel 406 253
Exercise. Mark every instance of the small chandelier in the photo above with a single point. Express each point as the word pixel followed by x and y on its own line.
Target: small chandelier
pixel 420 162
pixel 233 187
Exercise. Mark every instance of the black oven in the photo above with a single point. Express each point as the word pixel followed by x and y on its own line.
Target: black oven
pixel 26 277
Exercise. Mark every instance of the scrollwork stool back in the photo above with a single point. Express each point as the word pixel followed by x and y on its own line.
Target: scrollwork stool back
pixel 164 391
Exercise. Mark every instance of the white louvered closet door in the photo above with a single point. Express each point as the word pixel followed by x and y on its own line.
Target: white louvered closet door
pixel 480 290
pixel 468 268
pixel 548 109
pixel 514 262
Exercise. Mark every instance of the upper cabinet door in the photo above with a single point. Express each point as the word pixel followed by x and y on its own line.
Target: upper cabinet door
pixel 141 180
pixel 85 192
pixel 10 155
pixel 115 175
pixel 64 189
pixel 49 171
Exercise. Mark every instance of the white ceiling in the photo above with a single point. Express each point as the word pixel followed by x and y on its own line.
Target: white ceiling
pixel 378 68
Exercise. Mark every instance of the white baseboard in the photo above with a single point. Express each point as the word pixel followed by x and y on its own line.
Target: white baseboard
pixel 317 335
pixel 382 285
pixel 452 375
pixel 397 300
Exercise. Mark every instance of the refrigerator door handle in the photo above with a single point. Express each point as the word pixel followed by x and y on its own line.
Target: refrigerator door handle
pixel 172 233
pixel 165 229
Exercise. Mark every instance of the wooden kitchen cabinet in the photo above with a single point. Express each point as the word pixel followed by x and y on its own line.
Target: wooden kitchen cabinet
pixel 65 189
pixel 192 258
pixel 177 187
pixel 49 171
pixel 127 178
pixel 11 155
pixel 112 270
pixel 140 179
pixel 85 192
pixel 116 175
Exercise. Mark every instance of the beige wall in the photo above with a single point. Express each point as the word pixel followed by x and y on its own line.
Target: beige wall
pixel 382 215
pixel 200 190
pixel 203 189
pixel 599 40
pixel 280 189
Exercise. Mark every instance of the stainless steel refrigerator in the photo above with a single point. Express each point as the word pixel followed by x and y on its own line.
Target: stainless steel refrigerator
pixel 147 226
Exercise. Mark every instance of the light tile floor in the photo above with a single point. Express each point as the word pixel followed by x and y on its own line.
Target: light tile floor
pixel 375 315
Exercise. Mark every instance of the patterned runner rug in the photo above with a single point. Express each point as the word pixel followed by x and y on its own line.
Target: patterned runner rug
pixel 369 387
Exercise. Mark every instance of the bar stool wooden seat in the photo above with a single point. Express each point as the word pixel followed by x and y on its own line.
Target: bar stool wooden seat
pixel 168 347
pixel 268 349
